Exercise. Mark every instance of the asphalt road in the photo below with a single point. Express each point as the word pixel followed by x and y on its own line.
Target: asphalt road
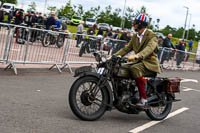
pixel 37 102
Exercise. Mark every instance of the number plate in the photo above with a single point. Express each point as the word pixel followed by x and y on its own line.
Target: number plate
pixel 100 70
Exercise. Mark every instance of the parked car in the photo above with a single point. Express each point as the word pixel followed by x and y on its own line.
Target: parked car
pixel 76 20
pixel 89 22
pixel 160 34
pixel 65 19
pixel 103 26
pixel 116 28
pixel 8 7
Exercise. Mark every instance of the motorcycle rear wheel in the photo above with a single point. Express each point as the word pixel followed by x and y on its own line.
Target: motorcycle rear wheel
pixel 46 40
pixel 164 107
pixel 83 103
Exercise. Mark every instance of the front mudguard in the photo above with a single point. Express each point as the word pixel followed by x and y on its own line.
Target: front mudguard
pixel 107 86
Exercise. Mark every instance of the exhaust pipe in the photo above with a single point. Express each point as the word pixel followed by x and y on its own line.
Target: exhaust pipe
pixel 154 97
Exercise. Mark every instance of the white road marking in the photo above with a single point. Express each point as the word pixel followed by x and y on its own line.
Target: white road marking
pixel 152 123
pixel 38 90
pixel 190 89
pixel 189 80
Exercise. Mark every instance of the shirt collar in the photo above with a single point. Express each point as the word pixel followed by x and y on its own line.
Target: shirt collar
pixel 141 34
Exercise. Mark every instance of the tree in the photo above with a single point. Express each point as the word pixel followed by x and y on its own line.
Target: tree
pixel 32 6
pixel 95 11
pixel 80 10
pixel 179 33
pixel 67 11
pixel 129 17
pixel 104 17
pixel 9 1
pixel 52 8
pixel 88 14
pixel 115 17
pixel 191 34
pixel 168 29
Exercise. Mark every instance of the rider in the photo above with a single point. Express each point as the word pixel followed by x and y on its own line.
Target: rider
pixel 92 30
pixel 145 60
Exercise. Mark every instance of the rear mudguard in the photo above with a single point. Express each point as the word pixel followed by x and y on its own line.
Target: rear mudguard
pixel 108 88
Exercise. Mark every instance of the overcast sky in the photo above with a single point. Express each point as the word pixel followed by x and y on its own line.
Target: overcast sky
pixel 170 12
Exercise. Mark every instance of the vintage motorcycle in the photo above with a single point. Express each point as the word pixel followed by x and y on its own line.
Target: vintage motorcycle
pixel 89 45
pixel 53 36
pixel 93 92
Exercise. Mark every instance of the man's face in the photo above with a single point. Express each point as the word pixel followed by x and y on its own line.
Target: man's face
pixel 170 36
pixel 135 26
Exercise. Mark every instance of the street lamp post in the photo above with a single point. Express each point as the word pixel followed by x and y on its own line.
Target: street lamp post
pixel 189 27
pixel 45 5
pixel 185 21
pixel 123 18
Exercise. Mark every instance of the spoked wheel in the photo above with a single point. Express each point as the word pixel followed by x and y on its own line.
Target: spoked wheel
pixel 82 49
pixel 19 36
pixel 160 110
pixel 46 40
pixel 84 103
pixel 60 40
pixel 166 64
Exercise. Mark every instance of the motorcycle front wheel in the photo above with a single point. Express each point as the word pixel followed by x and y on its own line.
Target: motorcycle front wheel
pixel 84 103
pixel 82 49
pixel 160 110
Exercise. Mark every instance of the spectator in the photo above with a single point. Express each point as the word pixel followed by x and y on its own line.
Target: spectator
pixel 160 43
pixel 129 37
pixel 123 36
pixel 40 19
pixel 19 17
pixel 79 31
pixel 168 48
pixel 2 14
pixel 100 32
pixel 109 32
pixel 58 23
pixel 190 45
pixel 64 25
pixel 10 17
pixel 45 19
pixel 92 30
pixel 180 53
pixel 28 19
pixel 34 18
pixel 116 34
pixel 50 21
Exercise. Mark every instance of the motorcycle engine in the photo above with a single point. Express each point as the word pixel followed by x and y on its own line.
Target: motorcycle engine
pixel 128 94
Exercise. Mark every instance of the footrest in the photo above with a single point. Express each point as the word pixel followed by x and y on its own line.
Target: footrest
pixel 176 100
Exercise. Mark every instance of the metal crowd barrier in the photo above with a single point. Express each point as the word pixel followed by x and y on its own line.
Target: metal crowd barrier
pixel 94 44
pixel 4 41
pixel 178 60
pixel 24 45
